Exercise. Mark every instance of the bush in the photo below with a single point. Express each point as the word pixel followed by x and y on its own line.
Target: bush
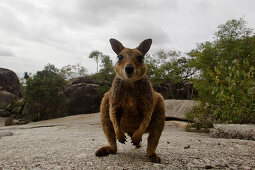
pixel 44 94
pixel 226 85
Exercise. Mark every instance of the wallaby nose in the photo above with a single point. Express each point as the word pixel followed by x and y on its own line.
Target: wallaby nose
pixel 129 69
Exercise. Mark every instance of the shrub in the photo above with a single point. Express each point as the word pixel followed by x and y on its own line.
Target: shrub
pixel 226 85
pixel 44 94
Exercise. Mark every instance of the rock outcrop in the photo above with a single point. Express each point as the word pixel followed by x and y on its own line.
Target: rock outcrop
pixel 6 98
pixel 164 91
pixel 11 102
pixel 83 95
pixel 87 80
pixel 13 108
pixel 233 131
pixel 6 133
pixel 177 109
pixel 9 81
pixel 183 91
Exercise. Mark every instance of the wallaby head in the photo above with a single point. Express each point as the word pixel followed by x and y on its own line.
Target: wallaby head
pixel 130 65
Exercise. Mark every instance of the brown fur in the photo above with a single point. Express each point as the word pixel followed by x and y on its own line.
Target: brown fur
pixel 131 105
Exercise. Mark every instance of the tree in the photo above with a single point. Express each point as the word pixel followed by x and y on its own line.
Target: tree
pixel 26 75
pixel 226 80
pixel 72 71
pixel 96 55
pixel 44 94
pixel 106 72
pixel 169 68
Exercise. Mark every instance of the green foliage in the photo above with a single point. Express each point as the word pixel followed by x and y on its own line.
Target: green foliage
pixel 201 122
pixel 96 55
pixel 171 66
pixel 44 94
pixel 226 85
pixel 72 71
pixel 106 73
pixel 107 70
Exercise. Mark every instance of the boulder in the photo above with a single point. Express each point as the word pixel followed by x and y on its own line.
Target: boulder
pixel 9 81
pixel 9 121
pixel 18 107
pixel 5 113
pixel 5 133
pixel 2 121
pixel 189 90
pixel 183 90
pixel 164 91
pixel 84 94
pixel 87 80
pixel 177 109
pixel 82 98
pixel 233 131
pixel 6 98
pixel 1 112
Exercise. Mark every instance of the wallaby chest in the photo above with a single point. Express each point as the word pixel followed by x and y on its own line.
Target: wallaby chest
pixel 132 102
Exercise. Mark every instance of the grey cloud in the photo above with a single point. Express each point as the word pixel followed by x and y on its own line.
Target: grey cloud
pixel 140 30
pixel 48 23
pixel 5 53
pixel 98 12
pixel 64 32
pixel 10 22
pixel 31 23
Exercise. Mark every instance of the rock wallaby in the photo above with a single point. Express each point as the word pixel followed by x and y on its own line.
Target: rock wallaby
pixel 131 106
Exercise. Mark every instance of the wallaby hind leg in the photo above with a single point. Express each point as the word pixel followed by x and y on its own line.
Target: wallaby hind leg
pixel 155 129
pixel 108 129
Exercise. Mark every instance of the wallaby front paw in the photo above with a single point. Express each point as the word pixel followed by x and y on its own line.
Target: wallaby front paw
pixel 136 139
pixel 121 137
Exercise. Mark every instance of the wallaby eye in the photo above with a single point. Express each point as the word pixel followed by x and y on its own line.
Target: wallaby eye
pixel 120 57
pixel 140 58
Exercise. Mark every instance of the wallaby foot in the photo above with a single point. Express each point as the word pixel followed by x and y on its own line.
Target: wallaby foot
pixel 105 150
pixel 155 158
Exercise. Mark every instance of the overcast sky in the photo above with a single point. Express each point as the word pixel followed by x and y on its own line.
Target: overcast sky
pixel 34 33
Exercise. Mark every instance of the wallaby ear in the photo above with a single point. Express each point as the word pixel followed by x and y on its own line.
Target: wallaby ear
pixel 145 46
pixel 116 46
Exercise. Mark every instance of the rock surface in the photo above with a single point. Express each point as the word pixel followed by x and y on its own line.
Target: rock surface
pixel 9 81
pixel 183 90
pixel 5 133
pixel 82 98
pixel 177 109
pixel 71 142
pixel 2 121
pixel 6 98
pixel 87 80
pixel 233 131
pixel 84 95
pixel 163 90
